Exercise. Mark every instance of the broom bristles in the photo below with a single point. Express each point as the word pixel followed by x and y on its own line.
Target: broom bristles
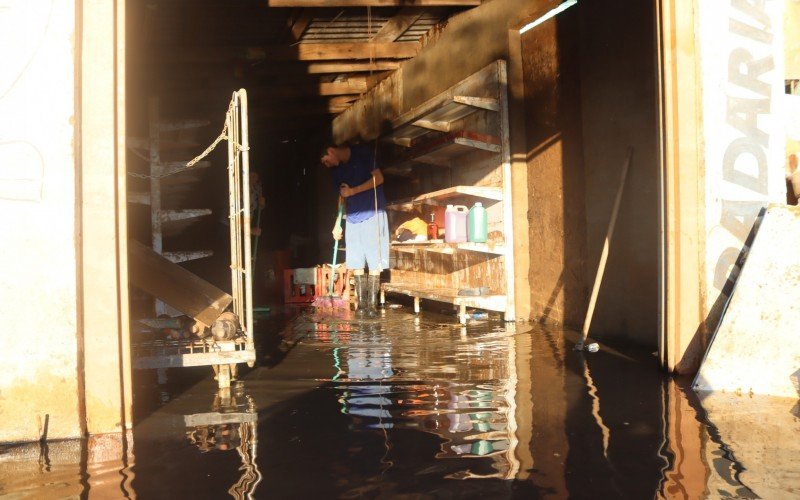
pixel 330 302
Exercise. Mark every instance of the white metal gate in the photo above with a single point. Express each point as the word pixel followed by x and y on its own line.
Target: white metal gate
pixel 223 355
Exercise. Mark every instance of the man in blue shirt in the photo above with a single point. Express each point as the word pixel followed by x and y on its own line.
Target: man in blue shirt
pixel 360 183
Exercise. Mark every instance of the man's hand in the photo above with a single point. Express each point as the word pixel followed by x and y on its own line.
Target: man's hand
pixel 345 191
pixel 262 202
pixel 337 232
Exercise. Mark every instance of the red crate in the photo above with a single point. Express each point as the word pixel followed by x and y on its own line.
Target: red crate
pixel 341 286
pixel 297 294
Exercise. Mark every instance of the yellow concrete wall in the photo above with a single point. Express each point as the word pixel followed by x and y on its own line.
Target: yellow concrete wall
pixel 63 274
pixel 38 301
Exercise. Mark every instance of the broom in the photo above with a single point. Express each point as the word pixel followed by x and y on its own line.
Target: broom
pixel 332 301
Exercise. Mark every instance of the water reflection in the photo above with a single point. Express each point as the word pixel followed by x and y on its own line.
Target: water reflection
pixel 441 382
pixel 417 406
pixel 230 425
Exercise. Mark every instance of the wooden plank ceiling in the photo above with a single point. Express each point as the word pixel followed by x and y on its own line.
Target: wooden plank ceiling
pixel 301 60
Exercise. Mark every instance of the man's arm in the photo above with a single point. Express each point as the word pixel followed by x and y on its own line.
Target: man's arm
pixel 347 191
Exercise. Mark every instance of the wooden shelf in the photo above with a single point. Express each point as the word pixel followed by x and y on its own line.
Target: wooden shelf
pixel 440 119
pixel 450 296
pixel 433 133
pixel 439 246
pixel 402 168
pixel 447 150
pixel 446 197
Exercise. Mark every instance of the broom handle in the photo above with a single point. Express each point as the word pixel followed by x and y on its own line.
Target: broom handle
pixel 255 243
pixel 333 269
pixel 335 251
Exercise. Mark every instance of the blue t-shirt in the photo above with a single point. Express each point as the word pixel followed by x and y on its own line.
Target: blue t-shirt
pixel 356 171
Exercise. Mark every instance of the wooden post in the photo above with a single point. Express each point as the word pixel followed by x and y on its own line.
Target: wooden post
pixel 508 212
pixel 683 235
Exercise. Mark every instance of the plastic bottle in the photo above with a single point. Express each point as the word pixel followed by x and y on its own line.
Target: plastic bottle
pixel 455 224
pixel 433 229
pixel 477 224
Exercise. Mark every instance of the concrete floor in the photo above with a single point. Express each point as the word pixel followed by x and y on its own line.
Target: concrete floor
pixel 417 406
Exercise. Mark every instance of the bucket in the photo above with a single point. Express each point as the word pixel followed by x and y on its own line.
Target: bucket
pixel 455 224
pixel 477 224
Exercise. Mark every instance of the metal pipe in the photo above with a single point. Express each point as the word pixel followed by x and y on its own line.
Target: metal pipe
pixel 232 207
pixel 238 204
pixel 248 273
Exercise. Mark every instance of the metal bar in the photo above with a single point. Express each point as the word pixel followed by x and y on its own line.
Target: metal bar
pixel 182 215
pixel 232 210
pixel 155 184
pixel 248 290
pixel 187 256
pixel 661 58
pixel 196 359
pixel 154 145
pixel 238 203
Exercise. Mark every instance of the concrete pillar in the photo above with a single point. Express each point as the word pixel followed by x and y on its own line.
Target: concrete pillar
pixel 103 273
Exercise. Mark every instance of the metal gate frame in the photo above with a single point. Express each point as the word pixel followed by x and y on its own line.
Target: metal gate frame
pixel 222 354
pixel 238 192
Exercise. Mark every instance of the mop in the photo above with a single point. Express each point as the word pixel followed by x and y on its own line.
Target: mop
pixel 332 301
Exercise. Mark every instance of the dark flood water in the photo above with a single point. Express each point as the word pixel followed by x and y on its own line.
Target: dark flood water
pixel 420 407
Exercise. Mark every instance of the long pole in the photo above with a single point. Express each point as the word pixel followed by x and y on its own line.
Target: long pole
pixel 232 220
pixel 598 279
pixel 237 186
pixel 248 263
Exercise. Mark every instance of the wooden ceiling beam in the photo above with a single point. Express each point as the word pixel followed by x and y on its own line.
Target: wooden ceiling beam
pixel 332 51
pixel 274 92
pixel 282 53
pixel 300 24
pixel 373 3
pixel 288 69
pixel 343 99
pixel 397 25
pixel 334 67
pixel 341 88
pixel 300 109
